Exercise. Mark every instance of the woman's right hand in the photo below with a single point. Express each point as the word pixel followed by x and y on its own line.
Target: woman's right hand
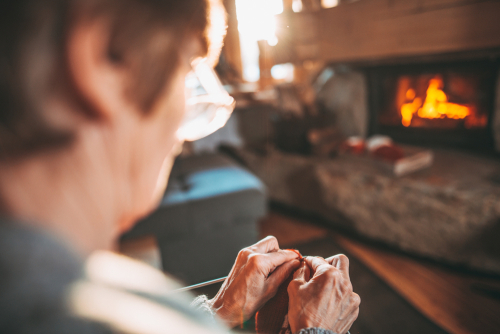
pixel 257 274
pixel 321 295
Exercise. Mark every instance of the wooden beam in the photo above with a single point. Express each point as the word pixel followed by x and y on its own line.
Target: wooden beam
pixel 377 29
pixel 232 50
pixel 372 29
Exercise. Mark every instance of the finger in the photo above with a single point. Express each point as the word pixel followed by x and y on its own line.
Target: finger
pixel 315 262
pixel 266 245
pixel 296 251
pixel 341 262
pixel 280 257
pixel 303 274
pixel 281 274
pixel 332 260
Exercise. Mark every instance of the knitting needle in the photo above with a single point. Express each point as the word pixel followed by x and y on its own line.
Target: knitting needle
pixel 200 285
pixel 214 281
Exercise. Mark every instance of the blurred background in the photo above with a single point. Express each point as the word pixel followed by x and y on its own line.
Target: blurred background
pixel 364 127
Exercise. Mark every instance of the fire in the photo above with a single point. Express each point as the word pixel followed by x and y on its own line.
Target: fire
pixel 434 106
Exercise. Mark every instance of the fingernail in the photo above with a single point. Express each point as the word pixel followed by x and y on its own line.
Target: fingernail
pixel 296 252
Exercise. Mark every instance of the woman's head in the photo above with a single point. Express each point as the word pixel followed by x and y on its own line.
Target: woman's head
pixel 144 36
pixel 95 89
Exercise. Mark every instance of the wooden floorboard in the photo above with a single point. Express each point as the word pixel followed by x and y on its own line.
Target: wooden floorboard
pixel 447 297
pixel 290 231
pixel 444 296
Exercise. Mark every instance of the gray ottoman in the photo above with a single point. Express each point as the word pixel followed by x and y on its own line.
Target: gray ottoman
pixel 209 212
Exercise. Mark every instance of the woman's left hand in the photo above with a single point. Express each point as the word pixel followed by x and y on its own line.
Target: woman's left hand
pixel 254 279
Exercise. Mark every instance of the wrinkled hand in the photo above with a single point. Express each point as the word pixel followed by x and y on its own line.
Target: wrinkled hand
pixel 321 295
pixel 254 279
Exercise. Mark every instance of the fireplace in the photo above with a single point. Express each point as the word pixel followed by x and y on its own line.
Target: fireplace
pixel 441 104
pixel 423 73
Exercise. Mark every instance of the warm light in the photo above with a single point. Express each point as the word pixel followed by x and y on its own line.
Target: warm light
pixel 256 22
pixel 435 106
pixel 273 41
pixel 283 72
pixel 408 109
pixel 410 94
pixel 329 3
pixel 297 6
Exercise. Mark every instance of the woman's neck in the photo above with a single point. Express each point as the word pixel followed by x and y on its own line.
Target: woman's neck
pixel 69 194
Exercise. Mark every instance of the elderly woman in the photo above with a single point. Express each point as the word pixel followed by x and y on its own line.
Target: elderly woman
pixel 93 109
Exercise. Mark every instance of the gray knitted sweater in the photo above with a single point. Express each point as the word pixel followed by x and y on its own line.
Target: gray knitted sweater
pixel 44 288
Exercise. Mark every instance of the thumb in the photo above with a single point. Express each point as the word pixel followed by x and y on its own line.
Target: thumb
pixel 303 274
pixel 282 273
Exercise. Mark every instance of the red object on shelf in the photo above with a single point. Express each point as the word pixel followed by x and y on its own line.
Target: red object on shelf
pixel 390 153
pixel 354 145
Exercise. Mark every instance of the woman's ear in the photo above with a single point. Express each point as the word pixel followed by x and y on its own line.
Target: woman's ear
pixel 97 79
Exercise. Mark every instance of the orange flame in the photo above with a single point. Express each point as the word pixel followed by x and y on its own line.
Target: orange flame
pixel 436 105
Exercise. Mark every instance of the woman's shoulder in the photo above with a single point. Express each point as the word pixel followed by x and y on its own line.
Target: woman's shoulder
pixel 134 297
pixel 36 269
pixel 46 288
pixel 25 250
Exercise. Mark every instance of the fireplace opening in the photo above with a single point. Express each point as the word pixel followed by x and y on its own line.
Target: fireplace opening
pixel 435 105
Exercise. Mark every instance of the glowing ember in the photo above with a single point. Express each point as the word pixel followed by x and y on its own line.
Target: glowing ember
pixel 436 105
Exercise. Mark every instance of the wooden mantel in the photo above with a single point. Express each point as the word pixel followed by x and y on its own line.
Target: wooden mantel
pixel 367 30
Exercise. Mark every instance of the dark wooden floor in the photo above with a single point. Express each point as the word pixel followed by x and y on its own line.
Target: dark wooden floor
pixel 458 302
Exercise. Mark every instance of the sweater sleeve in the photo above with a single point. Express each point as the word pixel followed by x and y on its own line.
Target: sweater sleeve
pixel 315 330
pixel 201 304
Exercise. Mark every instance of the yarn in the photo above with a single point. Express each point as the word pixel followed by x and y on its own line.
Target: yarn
pixel 273 316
